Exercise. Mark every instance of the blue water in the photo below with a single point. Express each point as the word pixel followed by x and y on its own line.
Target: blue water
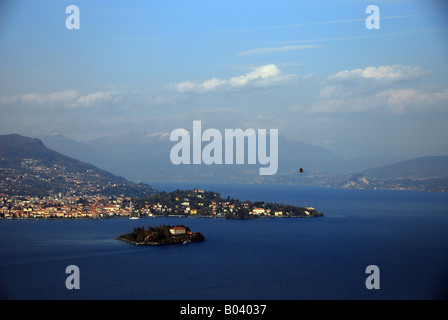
pixel 404 233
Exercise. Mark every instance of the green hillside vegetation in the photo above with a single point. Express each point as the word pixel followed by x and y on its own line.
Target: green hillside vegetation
pixel 197 203
pixel 27 167
pixel 160 235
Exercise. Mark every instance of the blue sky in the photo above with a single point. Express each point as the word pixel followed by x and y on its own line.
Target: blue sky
pixel 308 68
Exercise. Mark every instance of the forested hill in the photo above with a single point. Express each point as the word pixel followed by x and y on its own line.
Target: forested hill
pixel 28 167
pixel 425 167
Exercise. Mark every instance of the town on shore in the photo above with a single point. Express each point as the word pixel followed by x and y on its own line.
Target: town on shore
pixel 181 203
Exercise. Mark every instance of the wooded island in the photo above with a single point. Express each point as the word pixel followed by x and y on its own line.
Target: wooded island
pixel 161 235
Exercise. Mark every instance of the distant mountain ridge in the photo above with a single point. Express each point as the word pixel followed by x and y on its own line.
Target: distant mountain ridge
pixel 146 158
pixel 423 173
pixel 423 167
pixel 28 167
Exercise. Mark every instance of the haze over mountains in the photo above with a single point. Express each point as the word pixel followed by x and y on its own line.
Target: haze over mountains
pixel 146 158
pixel 423 167
pixel 424 173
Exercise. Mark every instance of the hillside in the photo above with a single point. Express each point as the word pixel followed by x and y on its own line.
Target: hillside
pixel 425 167
pixel 28 167
pixel 425 173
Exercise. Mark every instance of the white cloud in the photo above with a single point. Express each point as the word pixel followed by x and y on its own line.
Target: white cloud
pixel 41 98
pixel 263 76
pixel 65 99
pixel 278 49
pixel 398 100
pixel 306 24
pixel 374 89
pixel 96 98
pixel 391 101
pixel 334 91
pixel 269 71
pixel 383 73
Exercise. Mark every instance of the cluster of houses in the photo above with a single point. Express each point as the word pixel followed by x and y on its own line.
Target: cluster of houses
pixel 195 203
pixel 62 207
pixel 201 203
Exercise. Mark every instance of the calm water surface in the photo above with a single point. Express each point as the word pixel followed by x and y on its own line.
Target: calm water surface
pixel 404 233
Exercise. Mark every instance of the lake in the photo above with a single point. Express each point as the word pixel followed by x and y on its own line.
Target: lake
pixel 403 233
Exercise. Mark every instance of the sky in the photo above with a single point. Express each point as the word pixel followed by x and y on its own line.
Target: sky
pixel 311 69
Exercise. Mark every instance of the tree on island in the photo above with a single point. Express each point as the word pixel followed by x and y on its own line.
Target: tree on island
pixel 160 235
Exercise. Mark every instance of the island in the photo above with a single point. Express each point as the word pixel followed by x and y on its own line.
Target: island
pixel 162 235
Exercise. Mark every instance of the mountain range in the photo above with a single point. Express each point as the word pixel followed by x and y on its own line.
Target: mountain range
pixel 28 167
pixel 424 173
pixel 146 158
pixel 417 168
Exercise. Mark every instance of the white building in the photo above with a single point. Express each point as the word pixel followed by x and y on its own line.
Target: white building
pixel 178 230
pixel 258 211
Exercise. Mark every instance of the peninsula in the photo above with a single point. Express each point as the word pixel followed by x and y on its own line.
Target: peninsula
pixel 166 234
pixel 201 203
pixel 179 203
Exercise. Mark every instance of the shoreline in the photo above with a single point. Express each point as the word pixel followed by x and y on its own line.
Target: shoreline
pixel 169 216
pixel 140 243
